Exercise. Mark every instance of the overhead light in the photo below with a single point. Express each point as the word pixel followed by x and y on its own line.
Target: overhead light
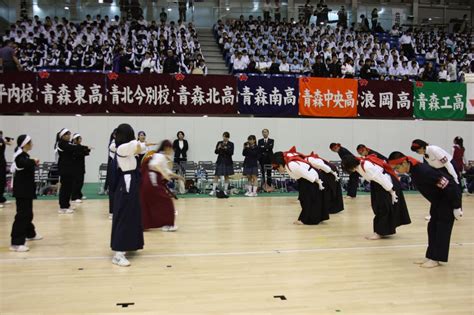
pixel 227 9
pixel 78 115
pixel 101 1
pixel 66 8
pixel 169 9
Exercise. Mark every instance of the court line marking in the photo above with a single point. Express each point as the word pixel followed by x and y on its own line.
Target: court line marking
pixel 217 254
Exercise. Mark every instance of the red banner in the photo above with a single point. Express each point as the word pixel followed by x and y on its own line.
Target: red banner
pixel 18 92
pixel 139 93
pixel 322 97
pixel 63 92
pixel 211 94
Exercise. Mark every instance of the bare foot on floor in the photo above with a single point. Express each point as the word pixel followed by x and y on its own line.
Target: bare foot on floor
pixel 373 237
pixel 298 222
pixel 420 261
pixel 430 264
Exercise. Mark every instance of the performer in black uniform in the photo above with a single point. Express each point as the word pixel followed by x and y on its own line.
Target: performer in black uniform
pixel 364 151
pixel 80 169
pixel 3 168
pixel 24 191
pixel 445 198
pixel 353 183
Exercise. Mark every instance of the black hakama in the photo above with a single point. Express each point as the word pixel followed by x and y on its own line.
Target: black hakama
pixel 312 203
pixel 112 185
pixel 332 193
pixel 388 216
pixel 439 230
pixel 127 229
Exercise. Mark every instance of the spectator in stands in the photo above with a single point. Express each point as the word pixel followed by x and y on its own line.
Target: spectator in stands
pixel 263 65
pixel 8 56
pixel 452 70
pixel 274 66
pixel 342 17
pixel 308 11
pixel 334 68
pixel 239 64
pixel 267 6
pixel 284 66
pixel 170 65
pixel 306 68
pixel 163 16
pixel 277 11
pixel 406 43
pixel 382 70
pixel 366 70
pixel 347 69
pixel 374 17
pixel 319 68
pixel 252 65
pixel 295 67
pixel 429 73
pixel 443 74
pixel 182 4
pixel 148 64
pixel 364 23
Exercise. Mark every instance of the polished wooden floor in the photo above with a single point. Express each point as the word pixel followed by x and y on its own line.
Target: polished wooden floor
pixel 233 257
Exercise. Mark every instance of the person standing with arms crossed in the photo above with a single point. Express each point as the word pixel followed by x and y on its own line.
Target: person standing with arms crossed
pixel 265 146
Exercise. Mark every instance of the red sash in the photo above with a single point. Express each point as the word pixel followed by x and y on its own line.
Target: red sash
pixel 375 160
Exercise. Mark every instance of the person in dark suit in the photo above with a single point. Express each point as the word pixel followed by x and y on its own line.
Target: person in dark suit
pixel 224 165
pixel 24 191
pixel 353 183
pixel 265 146
pixel 180 147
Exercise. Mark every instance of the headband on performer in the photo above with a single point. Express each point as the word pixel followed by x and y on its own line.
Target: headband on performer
pixel 26 141
pixel 76 135
pixel 18 151
pixel 403 159
pixel 63 132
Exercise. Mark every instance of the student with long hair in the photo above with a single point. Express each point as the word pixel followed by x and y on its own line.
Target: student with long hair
pixel 459 160
pixel 251 153
pixel 224 164
pixel 127 228
pixel 24 191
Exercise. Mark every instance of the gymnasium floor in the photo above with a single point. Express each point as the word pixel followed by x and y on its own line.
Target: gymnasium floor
pixel 236 256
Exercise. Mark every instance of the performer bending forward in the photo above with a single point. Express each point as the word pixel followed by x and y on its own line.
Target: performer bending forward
pixel 155 196
pixel 309 186
pixel 386 196
pixel 445 198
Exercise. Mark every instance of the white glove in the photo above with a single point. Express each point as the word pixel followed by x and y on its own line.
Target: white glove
pixel 320 184
pixel 456 180
pixel 457 213
pixel 394 197
pixel 336 176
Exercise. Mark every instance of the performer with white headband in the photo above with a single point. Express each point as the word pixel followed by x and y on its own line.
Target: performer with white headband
pixel 66 165
pixel 3 167
pixel 80 169
pixel 24 191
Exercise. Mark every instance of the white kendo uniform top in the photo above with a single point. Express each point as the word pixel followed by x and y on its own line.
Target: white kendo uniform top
pixel 319 164
pixel 439 158
pixel 112 149
pixel 126 155
pixel 160 162
pixel 373 172
pixel 297 170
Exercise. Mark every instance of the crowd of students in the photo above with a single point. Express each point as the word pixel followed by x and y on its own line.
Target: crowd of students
pixel 257 46
pixel 105 44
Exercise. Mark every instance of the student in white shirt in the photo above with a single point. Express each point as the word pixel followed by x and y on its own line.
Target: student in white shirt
pixel 284 66
pixel 239 64
pixel 443 74
pixel 309 186
pixel 387 200
pixel 436 157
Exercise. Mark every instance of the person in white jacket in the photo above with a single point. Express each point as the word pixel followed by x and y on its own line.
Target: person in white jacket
pixel 387 200
pixel 310 186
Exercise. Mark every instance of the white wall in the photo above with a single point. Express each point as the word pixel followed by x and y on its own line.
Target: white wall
pixel 203 133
